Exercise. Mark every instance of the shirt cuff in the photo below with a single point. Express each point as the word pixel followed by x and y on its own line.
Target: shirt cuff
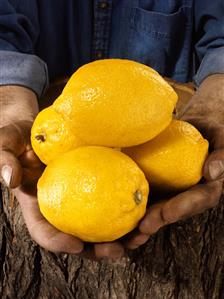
pixel 212 63
pixel 24 70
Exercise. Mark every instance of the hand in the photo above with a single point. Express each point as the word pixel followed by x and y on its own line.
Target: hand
pixel 19 165
pixel 206 112
pixel 20 170
pixel 50 238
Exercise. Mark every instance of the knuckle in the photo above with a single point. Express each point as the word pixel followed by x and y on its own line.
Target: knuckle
pixel 164 216
pixel 49 244
pixel 214 194
pixel 144 227
pixel 41 238
pixel 214 201
pixel 41 242
pixel 141 239
pixel 171 209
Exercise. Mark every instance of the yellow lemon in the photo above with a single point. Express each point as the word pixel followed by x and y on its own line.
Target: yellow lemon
pixel 51 135
pixel 95 193
pixel 173 160
pixel 116 103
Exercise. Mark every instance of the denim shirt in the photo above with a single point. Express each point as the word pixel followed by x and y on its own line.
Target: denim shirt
pixel 181 39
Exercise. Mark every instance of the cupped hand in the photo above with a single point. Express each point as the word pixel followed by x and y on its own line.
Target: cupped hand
pixel 41 231
pixel 18 163
pixel 206 112
pixel 50 238
pixel 20 170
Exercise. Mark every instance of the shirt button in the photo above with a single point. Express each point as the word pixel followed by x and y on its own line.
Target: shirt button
pixel 103 5
pixel 99 54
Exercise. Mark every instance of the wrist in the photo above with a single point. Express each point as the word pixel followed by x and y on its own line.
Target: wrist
pixel 208 101
pixel 17 103
pixel 213 86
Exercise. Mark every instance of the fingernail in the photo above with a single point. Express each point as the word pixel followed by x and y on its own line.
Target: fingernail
pixel 6 174
pixel 216 169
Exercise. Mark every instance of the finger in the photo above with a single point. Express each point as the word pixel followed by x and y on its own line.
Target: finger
pixel 153 219
pixel 29 158
pixel 43 232
pixel 26 170
pixel 32 170
pixel 15 137
pixel 113 250
pixel 135 240
pixel 187 204
pixel 12 139
pixel 11 170
pixel 194 201
pixel 214 166
pixel 12 144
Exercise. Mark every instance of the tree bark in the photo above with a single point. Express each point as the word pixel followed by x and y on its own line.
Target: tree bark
pixel 184 260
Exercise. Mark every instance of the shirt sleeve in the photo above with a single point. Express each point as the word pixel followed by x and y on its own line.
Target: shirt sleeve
pixel 19 31
pixel 209 38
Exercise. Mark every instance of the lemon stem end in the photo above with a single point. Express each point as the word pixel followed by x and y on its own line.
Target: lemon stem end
pixel 40 138
pixel 138 197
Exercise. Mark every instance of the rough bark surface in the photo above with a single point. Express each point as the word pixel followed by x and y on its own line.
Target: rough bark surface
pixel 184 260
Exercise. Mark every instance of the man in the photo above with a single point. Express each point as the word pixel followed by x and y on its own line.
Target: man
pixel 181 39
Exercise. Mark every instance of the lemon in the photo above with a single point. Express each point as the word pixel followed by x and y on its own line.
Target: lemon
pixel 51 135
pixel 174 159
pixel 116 103
pixel 95 193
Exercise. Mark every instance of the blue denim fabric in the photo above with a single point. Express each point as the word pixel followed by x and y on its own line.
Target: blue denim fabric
pixel 24 70
pixel 181 39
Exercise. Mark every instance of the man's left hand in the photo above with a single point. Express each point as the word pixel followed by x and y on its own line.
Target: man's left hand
pixel 206 112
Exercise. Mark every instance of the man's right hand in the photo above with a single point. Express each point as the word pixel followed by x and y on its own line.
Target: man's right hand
pixel 19 165
pixel 20 169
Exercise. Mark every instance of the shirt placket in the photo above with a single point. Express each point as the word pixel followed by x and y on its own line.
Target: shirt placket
pixel 101 29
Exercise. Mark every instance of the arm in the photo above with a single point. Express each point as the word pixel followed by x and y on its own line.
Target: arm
pixel 19 31
pixel 206 112
pixel 20 168
pixel 23 78
pixel 208 39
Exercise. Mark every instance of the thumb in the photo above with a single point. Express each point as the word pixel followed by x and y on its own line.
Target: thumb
pixel 12 145
pixel 11 170
pixel 214 166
